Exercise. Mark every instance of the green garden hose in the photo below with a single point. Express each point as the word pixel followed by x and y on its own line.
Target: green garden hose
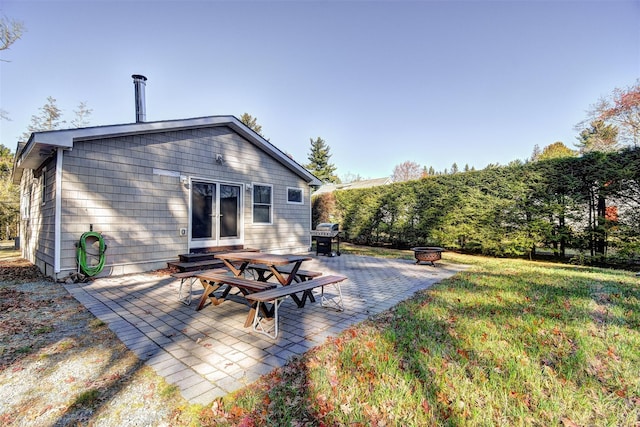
pixel 91 270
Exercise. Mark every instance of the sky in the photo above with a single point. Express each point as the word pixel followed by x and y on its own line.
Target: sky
pixel 381 82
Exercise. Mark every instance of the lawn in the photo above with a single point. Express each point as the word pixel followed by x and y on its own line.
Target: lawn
pixel 508 342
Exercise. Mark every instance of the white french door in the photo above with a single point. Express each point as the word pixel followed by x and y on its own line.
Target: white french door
pixel 216 214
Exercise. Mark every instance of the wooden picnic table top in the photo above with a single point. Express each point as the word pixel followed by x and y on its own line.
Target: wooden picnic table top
pixel 262 258
pixel 272 261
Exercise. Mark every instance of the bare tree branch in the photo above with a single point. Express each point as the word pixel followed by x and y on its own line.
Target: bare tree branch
pixel 10 32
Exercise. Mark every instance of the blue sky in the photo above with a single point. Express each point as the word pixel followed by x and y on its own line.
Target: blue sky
pixel 382 82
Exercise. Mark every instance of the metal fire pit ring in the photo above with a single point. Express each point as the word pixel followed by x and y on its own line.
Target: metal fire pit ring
pixel 427 254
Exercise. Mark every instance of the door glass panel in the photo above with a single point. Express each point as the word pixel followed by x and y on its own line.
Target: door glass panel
pixel 229 210
pixel 202 199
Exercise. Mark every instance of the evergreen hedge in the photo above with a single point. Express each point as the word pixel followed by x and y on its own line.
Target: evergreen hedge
pixel 587 207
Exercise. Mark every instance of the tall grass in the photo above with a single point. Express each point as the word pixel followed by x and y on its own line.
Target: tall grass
pixel 508 342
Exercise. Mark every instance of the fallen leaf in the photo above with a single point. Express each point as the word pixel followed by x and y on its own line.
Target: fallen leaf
pixel 237 411
pixel 568 423
pixel 346 408
pixel 463 353
pixel 442 398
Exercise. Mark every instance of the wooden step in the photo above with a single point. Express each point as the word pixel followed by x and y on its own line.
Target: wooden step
pixel 210 253
pixel 195 265
pixel 204 259
pixel 196 257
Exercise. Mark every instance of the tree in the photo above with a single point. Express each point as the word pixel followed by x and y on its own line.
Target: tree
pixel 454 168
pixel 599 136
pixel 535 155
pixel 9 196
pixel 48 119
pixel 622 109
pixel 252 123
pixel 350 177
pixel 406 171
pixel 557 150
pixel 557 204
pixel 10 32
pixel 82 114
pixel 319 164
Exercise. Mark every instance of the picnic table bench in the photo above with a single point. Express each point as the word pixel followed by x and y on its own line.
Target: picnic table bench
pixel 192 276
pixel 212 281
pixel 264 274
pixel 276 296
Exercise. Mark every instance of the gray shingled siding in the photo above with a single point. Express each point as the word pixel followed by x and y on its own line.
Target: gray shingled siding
pixel 37 231
pixel 110 183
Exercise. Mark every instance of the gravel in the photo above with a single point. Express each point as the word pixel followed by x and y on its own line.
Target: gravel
pixel 59 365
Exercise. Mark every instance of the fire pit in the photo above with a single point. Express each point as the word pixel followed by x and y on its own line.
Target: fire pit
pixel 427 254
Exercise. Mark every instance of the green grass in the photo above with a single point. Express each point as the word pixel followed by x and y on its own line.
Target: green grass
pixel 43 330
pixel 508 342
pixel 97 324
pixel 87 398
pixel 376 251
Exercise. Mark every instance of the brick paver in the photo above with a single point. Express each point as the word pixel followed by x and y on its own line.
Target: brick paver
pixel 208 353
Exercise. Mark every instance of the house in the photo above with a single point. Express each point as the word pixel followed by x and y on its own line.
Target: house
pixel 364 183
pixel 158 189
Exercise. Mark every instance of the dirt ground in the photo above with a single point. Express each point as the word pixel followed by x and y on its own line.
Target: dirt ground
pixel 59 365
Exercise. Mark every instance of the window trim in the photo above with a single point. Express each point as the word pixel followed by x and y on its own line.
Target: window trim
pixel 293 202
pixel 253 203
pixel 43 186
pixel 25 205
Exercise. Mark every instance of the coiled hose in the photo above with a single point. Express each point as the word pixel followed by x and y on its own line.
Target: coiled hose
pixel 81 252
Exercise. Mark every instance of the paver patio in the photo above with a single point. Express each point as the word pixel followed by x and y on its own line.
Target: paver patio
pixel 208 353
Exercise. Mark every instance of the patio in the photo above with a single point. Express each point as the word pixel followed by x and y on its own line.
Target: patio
pixel 208 353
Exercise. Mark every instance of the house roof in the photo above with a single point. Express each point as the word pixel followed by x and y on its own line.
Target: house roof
pixel 365 183
pixel 41 145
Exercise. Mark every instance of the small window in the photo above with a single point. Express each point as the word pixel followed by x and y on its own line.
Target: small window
pixel 294 195
pixel 25 205
pixel 43 186
pixel 262 204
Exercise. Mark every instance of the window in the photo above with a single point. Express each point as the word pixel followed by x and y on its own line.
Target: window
pixel 43 186
pixel 262 202
pixel 294 195
pixel 25 205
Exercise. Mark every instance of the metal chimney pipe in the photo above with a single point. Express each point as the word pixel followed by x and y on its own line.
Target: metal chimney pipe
pixel 141 109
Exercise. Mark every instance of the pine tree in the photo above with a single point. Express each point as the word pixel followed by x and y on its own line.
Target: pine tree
pixel 252 123
pixel 319 164
pixel 82 116
pixel 49 119
pixel 9 196
pixel 599 136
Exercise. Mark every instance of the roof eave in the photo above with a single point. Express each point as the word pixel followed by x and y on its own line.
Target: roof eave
pixel 42 144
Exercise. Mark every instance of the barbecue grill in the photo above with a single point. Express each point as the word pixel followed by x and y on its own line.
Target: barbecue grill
pixel 325 235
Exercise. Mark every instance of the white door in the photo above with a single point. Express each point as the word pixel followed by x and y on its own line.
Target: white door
pixel 215 214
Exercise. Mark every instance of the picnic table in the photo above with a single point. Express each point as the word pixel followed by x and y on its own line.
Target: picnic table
pixel 237 263
pixel 284 268
pixel 273 262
